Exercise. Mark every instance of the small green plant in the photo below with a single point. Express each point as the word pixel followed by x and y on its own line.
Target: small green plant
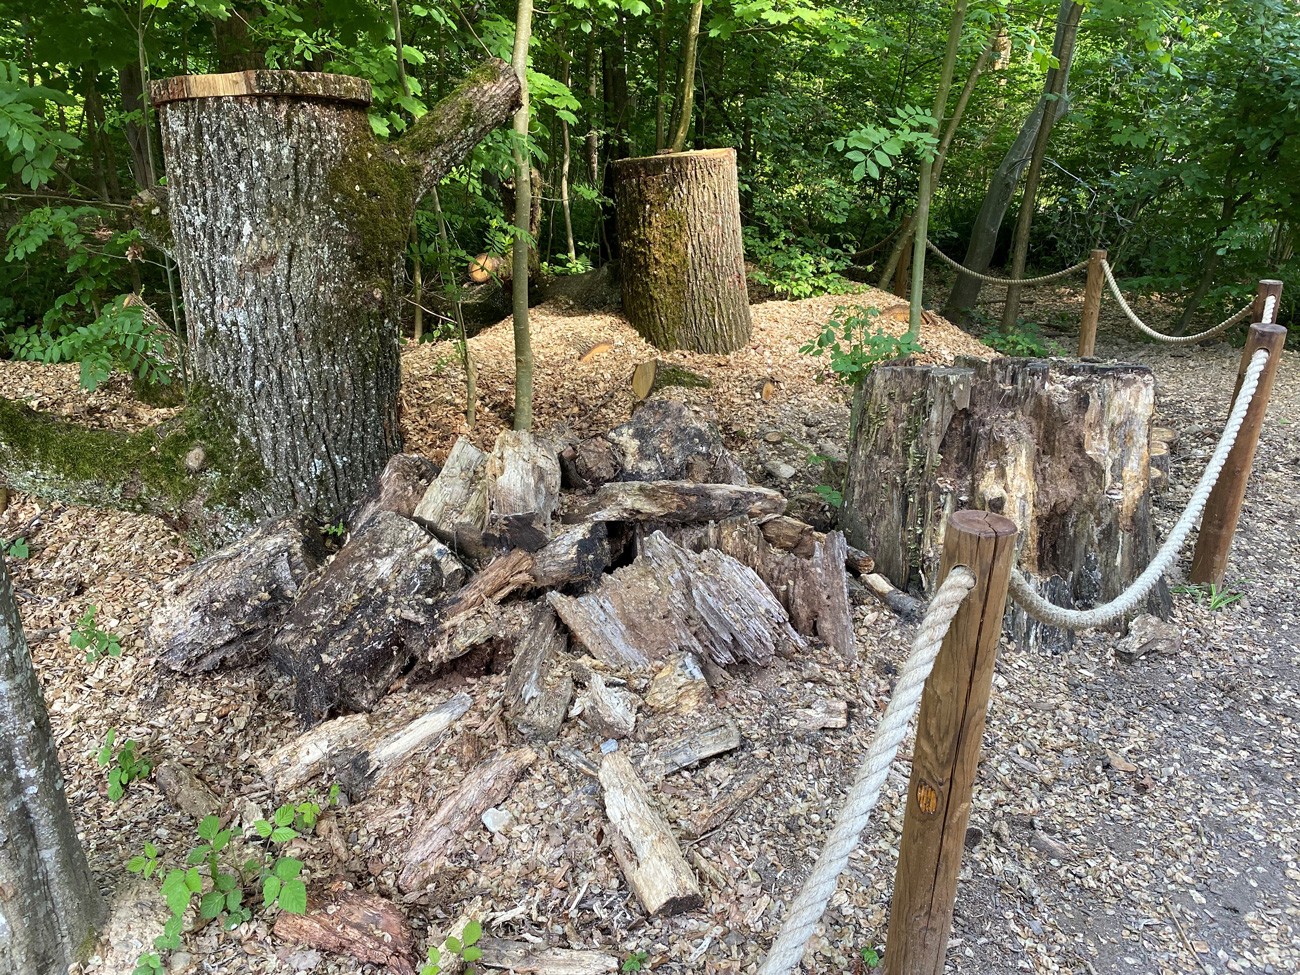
pixel 1209 594
pixel 855 345
pixel 150 963
pixel 124 765
pixel 1023 341
pixel 18 548
pixel 96 643
pixel 831 495
pixel 870 957
pixel 335 531
pixel 465 948
pixel 635 962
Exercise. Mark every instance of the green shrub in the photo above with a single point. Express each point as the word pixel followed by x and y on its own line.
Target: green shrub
pixel 855 345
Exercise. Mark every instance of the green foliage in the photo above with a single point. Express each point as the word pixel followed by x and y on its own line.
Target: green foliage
pixel 1208 594
pixel 875 148
pixel 87 636
pixel 18 548
pixel 562 266
pixel 797 268
pixel 31 144
pixel 870 957
pixel 465 948
pixel 1025 340
pixel 124 764
pixel 635 962
pixel 855 346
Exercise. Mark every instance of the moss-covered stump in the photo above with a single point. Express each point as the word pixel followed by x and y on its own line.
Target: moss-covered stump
pixel 683 262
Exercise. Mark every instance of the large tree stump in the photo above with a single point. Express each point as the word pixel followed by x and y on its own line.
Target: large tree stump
pixel 683 261
pixel 1060 448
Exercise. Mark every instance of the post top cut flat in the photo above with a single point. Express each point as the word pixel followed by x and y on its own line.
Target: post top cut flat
pixel 283 84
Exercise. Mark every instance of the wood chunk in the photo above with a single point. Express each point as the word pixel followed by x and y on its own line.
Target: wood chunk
pixel 668 600
pixel 314 752
pixel 610 711
pixel 340 641
pixel 530 959
pixel 365 764
pixel 908 607
pixel 679 686
pixel 643 843
pixel 596 349
pixel 709 814
pixel 643 378
pixel 690 749
pixel 185 791
pixel 540 687
pixel 827 713
pixel 523 486
pixel 362 926
pixel 578 554
pixel 679 501
pixel 459 494
pixel 225 608
pixel 464 620
pixel 400 488
pixel 1164 435
pixel 483 786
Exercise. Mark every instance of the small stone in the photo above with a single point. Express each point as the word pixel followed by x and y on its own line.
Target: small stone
pixel 779 470
pixel 774 436
pixel 497 819
pixel 196 460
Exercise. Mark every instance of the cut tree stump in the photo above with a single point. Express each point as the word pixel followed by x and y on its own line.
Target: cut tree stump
pixel 226 607
pixel 523 488
pixel 679 501
pixel 483 786
pixel 404 482
pixel 362 926
pixel 540 686
pixel 1059 447
pixel 458 496
pixel 340 641
pixel 682 259
pixel 643 843
pixel 670 600
pixel 530 959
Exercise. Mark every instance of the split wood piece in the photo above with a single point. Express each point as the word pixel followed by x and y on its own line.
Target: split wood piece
pixel 664 441
pixel 459 494
pixel 458 623
pixel 643 843
pixel 711 813
pixel 643 378
pixel 595 349
pixel 903 605
pixel 400 488
pixel 225 608
pixel 610 711
pixel 655 375
pixel 523 488
pixel 828 713
pixel 359 925
pixel 185 790
pixel 353 746
pixel 669 600
pixel 483 787
pixel 577 555
pixel 540 686
pixel 530 959
pixel 679 687
pixel 688 750
pixel 679 501
pixel 340 641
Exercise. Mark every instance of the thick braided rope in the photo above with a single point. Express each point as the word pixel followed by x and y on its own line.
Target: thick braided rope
pixel 990 279
pixel 1125 602
pixel 806 911
pixel 1161 336
pixel 1270 309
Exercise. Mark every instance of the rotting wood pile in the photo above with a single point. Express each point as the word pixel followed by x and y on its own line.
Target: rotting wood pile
pixel 618 581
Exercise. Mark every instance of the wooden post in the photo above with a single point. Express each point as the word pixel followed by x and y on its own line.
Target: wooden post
pixel 1219 522
pixel 947 748
pixel 1267 286
pixel 1091 303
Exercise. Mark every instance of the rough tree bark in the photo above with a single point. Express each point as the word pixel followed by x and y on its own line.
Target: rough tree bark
pixel 523 242
pixel 49 903
pixel 683 261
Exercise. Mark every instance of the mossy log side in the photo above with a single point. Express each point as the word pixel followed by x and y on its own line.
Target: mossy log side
pixel 1060 448
pixel 683 261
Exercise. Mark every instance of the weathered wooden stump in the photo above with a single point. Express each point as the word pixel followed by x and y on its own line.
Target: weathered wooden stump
pixel 1060 448
pixel 683 261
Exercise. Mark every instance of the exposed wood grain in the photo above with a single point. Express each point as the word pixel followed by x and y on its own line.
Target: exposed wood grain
pixel 679 501
pixel 689 749
pixel 362 926
pixel 531 959
pixel 540 687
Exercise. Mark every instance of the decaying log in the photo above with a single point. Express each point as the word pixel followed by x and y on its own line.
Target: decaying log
pixel 471 616
pixel 1062 448
pixel 364 765
pixel 458 496
pixel 530 959
pixel 523 488
pixel 225 608
pixel 905 606
pixel 340 640
pixel 679 686
pixel 825 713
pixel 670 599
pixel 185 791
pixel 609 710
pixel 579 554
pixel 711 813
pixel 360 925
pixel 483 786
pixel 690 749
pixel 540 686
pixel 679 501
pixel 801 538
pixel 314 752
pixel 643 843
pixel 402 485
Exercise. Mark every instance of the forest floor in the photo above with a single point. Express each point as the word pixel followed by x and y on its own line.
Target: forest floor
pixel 1128 817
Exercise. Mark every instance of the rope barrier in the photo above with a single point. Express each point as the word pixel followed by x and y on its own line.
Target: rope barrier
pixel 1270 310
pixel 989 279
pixel 1125 602
pixel 1161 336
pixel 806 911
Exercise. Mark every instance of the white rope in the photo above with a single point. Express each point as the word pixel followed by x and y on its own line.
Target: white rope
pixel 1125 602
pixel 990 279
pixel 1161 336
pixel 1270 310
pixel 806 911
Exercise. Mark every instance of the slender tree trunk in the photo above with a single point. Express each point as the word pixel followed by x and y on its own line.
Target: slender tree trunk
pixel 49 903
pixel 564 170
pixel 686 98
pixel 1210 263
pixel 927 167
pixel 417 272
pixel 1024 220
pixel 523 213
pixel 449 284
pixel 593 105
pixel 661 57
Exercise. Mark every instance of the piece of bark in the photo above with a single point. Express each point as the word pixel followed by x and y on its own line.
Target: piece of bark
pixel 711 813
pixel 185 790
pixel 367 763
pixel 340 641
pixel 459 622
pixel 459 494
pixel 679 686
pixel 595 349
pixel 531 959
pixel 678 501
pixel 800 538
pixel 482 787
pixel 643 844
pixel 400 488
pixel 540 687
pixel 225 608
pixel 908 607
pixel 610 711
pixel 362 926
pixel 523 488
pixel 670 599
pixel 579 554
pixel 690 749
pixel 827 713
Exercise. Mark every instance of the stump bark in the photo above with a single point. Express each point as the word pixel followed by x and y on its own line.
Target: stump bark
pixel 683 261
pixel 1060 448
